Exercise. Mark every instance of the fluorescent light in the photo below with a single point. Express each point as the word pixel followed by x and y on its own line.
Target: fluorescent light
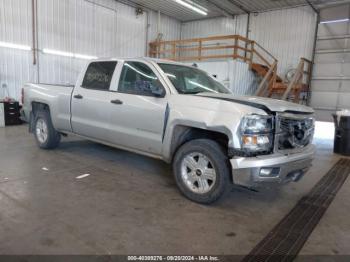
pixel 197 8
pixel 57 52
pixel 335 21
pixel 88 57
pixel 68 54
pixel 15 46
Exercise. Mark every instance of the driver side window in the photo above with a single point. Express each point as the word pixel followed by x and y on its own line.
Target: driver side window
pixel 138 79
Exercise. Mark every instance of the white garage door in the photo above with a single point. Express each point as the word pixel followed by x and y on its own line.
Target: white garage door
pixel 331 76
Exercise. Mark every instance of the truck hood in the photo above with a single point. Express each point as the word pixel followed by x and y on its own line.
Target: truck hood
pixel 266 104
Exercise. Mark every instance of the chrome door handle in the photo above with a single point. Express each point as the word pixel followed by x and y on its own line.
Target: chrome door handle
pixel 78 96
pixel 117 102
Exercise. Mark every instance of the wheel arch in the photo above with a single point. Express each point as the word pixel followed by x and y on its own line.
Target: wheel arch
pixel 36 106
pixel 182 134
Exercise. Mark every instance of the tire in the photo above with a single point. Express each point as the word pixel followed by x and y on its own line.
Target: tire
pixel 47 137
pixel 191 176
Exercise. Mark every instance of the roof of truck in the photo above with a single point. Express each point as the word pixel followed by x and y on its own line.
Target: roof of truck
pixel 156 60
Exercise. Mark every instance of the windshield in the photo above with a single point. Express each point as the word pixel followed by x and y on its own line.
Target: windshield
pixel 189 80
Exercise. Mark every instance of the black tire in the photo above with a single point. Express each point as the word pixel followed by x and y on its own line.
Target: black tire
pixel 53 137
pixel 219 161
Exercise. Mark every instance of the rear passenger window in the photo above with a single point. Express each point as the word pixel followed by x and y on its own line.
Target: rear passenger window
pixel 138 79
pixel 99 75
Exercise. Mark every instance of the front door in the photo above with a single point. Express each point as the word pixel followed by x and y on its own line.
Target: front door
pixel 139 109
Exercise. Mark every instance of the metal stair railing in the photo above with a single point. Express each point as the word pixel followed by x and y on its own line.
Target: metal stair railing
pixel 234 47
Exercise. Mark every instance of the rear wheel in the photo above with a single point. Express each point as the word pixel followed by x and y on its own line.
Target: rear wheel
pixel 201 170
pixel 45 134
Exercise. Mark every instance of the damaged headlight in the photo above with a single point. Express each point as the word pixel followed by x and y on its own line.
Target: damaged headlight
pixel 256 133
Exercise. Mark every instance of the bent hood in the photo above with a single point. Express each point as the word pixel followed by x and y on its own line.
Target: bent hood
pixel 266 104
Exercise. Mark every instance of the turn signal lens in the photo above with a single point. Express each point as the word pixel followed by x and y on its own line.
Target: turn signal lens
pixel 250 140
pixel 255 141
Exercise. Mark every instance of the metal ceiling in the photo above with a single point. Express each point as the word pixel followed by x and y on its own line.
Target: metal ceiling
pixel 218 8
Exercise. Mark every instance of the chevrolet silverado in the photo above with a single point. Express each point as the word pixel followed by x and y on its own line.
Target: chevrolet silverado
pixel 182 115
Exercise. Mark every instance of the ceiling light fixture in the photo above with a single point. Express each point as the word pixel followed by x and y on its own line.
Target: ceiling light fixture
pixel 194 7
pixel 15 46
pixel 335 21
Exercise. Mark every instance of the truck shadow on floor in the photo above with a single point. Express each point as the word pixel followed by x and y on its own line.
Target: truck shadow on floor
pixel 97 154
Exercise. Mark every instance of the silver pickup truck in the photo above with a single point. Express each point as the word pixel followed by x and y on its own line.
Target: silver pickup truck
pixel 179 114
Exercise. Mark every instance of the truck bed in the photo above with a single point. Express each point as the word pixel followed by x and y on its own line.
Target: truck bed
pixel 57 97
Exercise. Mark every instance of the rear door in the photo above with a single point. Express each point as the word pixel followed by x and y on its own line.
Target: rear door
pixel 91 101
pixel 139 108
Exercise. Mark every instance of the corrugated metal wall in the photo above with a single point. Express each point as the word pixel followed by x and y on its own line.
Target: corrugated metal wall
pixel 101 28
pixel 15 27
pixel 169 27
pixel 107 28
pixel 331 76
pixel 214 27
pixel 233 74
pixel 288 34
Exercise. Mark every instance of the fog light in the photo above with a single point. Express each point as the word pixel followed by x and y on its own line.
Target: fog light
pixel 269 171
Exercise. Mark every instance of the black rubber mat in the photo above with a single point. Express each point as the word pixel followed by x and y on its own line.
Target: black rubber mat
pixel 286 239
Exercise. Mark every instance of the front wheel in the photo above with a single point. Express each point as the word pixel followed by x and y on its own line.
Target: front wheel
pixel 45 134
pixel 201 170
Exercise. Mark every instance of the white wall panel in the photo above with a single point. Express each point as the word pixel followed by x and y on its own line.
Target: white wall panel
pixel 288 34
pixel 331 77
pixel 169 27
pixel 215 27
pixel 15 69
pixel 242 80
pixel 131 32
pixel 15 27
pixel 102 28
pixel 15 20
pixel 107 28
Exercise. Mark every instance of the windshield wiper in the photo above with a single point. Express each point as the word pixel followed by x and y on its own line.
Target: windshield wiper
pixel 195 92
pixel 192 93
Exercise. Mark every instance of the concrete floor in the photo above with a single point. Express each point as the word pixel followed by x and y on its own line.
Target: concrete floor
pixel 130 205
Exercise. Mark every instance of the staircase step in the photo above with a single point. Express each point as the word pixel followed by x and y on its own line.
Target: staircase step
pixel 283 86
pixel 262 70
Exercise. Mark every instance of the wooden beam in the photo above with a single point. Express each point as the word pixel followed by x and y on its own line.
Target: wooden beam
pixel 196 58
pixel 210 38
pixel 205 48
pixel 266 77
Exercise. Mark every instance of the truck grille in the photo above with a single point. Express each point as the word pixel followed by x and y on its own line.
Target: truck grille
pixel 294 131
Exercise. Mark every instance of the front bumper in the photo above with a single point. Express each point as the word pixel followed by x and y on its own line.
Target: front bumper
pixel 284 167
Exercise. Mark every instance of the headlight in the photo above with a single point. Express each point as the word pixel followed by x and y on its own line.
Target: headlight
pixel 256 133
pixel 253 124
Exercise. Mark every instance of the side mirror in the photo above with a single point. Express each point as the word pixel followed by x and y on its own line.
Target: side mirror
pixel 157 90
